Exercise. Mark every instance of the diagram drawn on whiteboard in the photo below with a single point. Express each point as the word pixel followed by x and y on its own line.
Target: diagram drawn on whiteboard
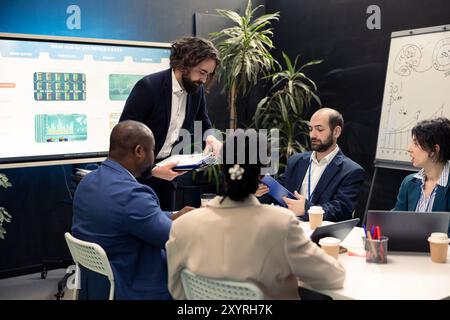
pixel 408 60
pixel 417 87
pixel 441 55
pixel 396 139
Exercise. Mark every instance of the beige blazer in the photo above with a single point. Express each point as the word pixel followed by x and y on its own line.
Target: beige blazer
pixel 248 241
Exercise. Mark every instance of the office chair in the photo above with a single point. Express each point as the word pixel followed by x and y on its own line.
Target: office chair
pixel 202 288
pixel 91 256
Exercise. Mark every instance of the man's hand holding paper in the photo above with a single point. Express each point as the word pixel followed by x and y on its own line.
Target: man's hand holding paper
pixel 165 171
pixel 212 146
pixel 186 162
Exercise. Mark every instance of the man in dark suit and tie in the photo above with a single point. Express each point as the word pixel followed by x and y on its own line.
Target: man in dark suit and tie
pixel 171 100
pixel 324 177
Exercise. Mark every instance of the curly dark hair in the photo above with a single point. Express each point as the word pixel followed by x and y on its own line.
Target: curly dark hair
pixel 188 52
pixel 429 133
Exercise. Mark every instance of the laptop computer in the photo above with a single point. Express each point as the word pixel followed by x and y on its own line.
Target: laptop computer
pixel 407 230
pixel 336 230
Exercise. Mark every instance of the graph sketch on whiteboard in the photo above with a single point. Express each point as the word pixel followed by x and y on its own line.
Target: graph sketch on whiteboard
pixel 417 88
pixel 397 138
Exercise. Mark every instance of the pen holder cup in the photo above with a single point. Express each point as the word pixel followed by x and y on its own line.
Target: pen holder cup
pixel 376 250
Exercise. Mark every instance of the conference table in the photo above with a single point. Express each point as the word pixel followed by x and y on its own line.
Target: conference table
pixel 405 276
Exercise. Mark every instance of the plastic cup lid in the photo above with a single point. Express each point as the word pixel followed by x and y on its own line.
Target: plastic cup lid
pixel 315 209
pixel 208 196
pixel 329 241
pixel 439 237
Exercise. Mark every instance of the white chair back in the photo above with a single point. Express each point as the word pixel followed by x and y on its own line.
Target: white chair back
pixel 202 288
pixel 91 256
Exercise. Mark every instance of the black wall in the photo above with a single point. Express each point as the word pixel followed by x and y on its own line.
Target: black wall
pixel 41 206
pixel 351 78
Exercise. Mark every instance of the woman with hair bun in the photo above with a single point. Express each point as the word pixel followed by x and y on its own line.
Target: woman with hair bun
pixel 235 237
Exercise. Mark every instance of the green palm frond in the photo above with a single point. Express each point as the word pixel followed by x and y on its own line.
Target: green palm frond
pixel 245 53
pixel 4 215
pixel 284 107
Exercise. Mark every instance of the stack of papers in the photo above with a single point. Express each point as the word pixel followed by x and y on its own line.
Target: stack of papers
pixel 188 162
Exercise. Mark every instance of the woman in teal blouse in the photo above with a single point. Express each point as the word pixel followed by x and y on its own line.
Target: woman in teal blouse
pixel 429 189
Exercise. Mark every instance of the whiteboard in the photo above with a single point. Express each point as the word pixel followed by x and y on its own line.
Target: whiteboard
pixel 417 87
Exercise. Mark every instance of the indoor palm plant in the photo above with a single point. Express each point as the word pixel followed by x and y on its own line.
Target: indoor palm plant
pixel 244 50
pixel 285 104
pixel 213 174
pixel 4 215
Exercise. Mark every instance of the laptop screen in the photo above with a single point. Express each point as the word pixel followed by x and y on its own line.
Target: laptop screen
pixel 406 230
pixel 336 230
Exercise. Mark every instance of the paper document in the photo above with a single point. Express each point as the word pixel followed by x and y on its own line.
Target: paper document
pixel 189 161
pixel 354 243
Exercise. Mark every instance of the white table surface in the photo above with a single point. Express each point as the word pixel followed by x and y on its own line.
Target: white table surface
pixel 406 276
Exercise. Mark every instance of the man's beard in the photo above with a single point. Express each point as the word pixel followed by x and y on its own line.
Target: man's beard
pixel 189 85
pixel 321 147
pixel 146 173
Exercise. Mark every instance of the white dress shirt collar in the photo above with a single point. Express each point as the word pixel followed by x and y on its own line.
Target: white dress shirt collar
pixel 176 87
pixel 443 178
pixel 327 159
pixel 177 116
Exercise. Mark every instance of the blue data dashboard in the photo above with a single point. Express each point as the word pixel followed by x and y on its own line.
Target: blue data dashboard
pixel 60 97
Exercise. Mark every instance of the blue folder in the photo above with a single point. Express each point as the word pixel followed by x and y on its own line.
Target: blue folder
pixel 276 190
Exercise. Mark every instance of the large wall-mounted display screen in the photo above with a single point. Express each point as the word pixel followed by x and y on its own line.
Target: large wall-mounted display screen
pixel 60 97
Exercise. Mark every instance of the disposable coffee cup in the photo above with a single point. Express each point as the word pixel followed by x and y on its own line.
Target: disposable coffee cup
pixel 315 216
pixel 206 197
pixel 438 247
pixel 330 245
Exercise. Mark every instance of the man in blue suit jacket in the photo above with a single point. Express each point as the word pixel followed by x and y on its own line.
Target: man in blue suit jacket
pixel 324 177
pixel 174 99
pixel 123 216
